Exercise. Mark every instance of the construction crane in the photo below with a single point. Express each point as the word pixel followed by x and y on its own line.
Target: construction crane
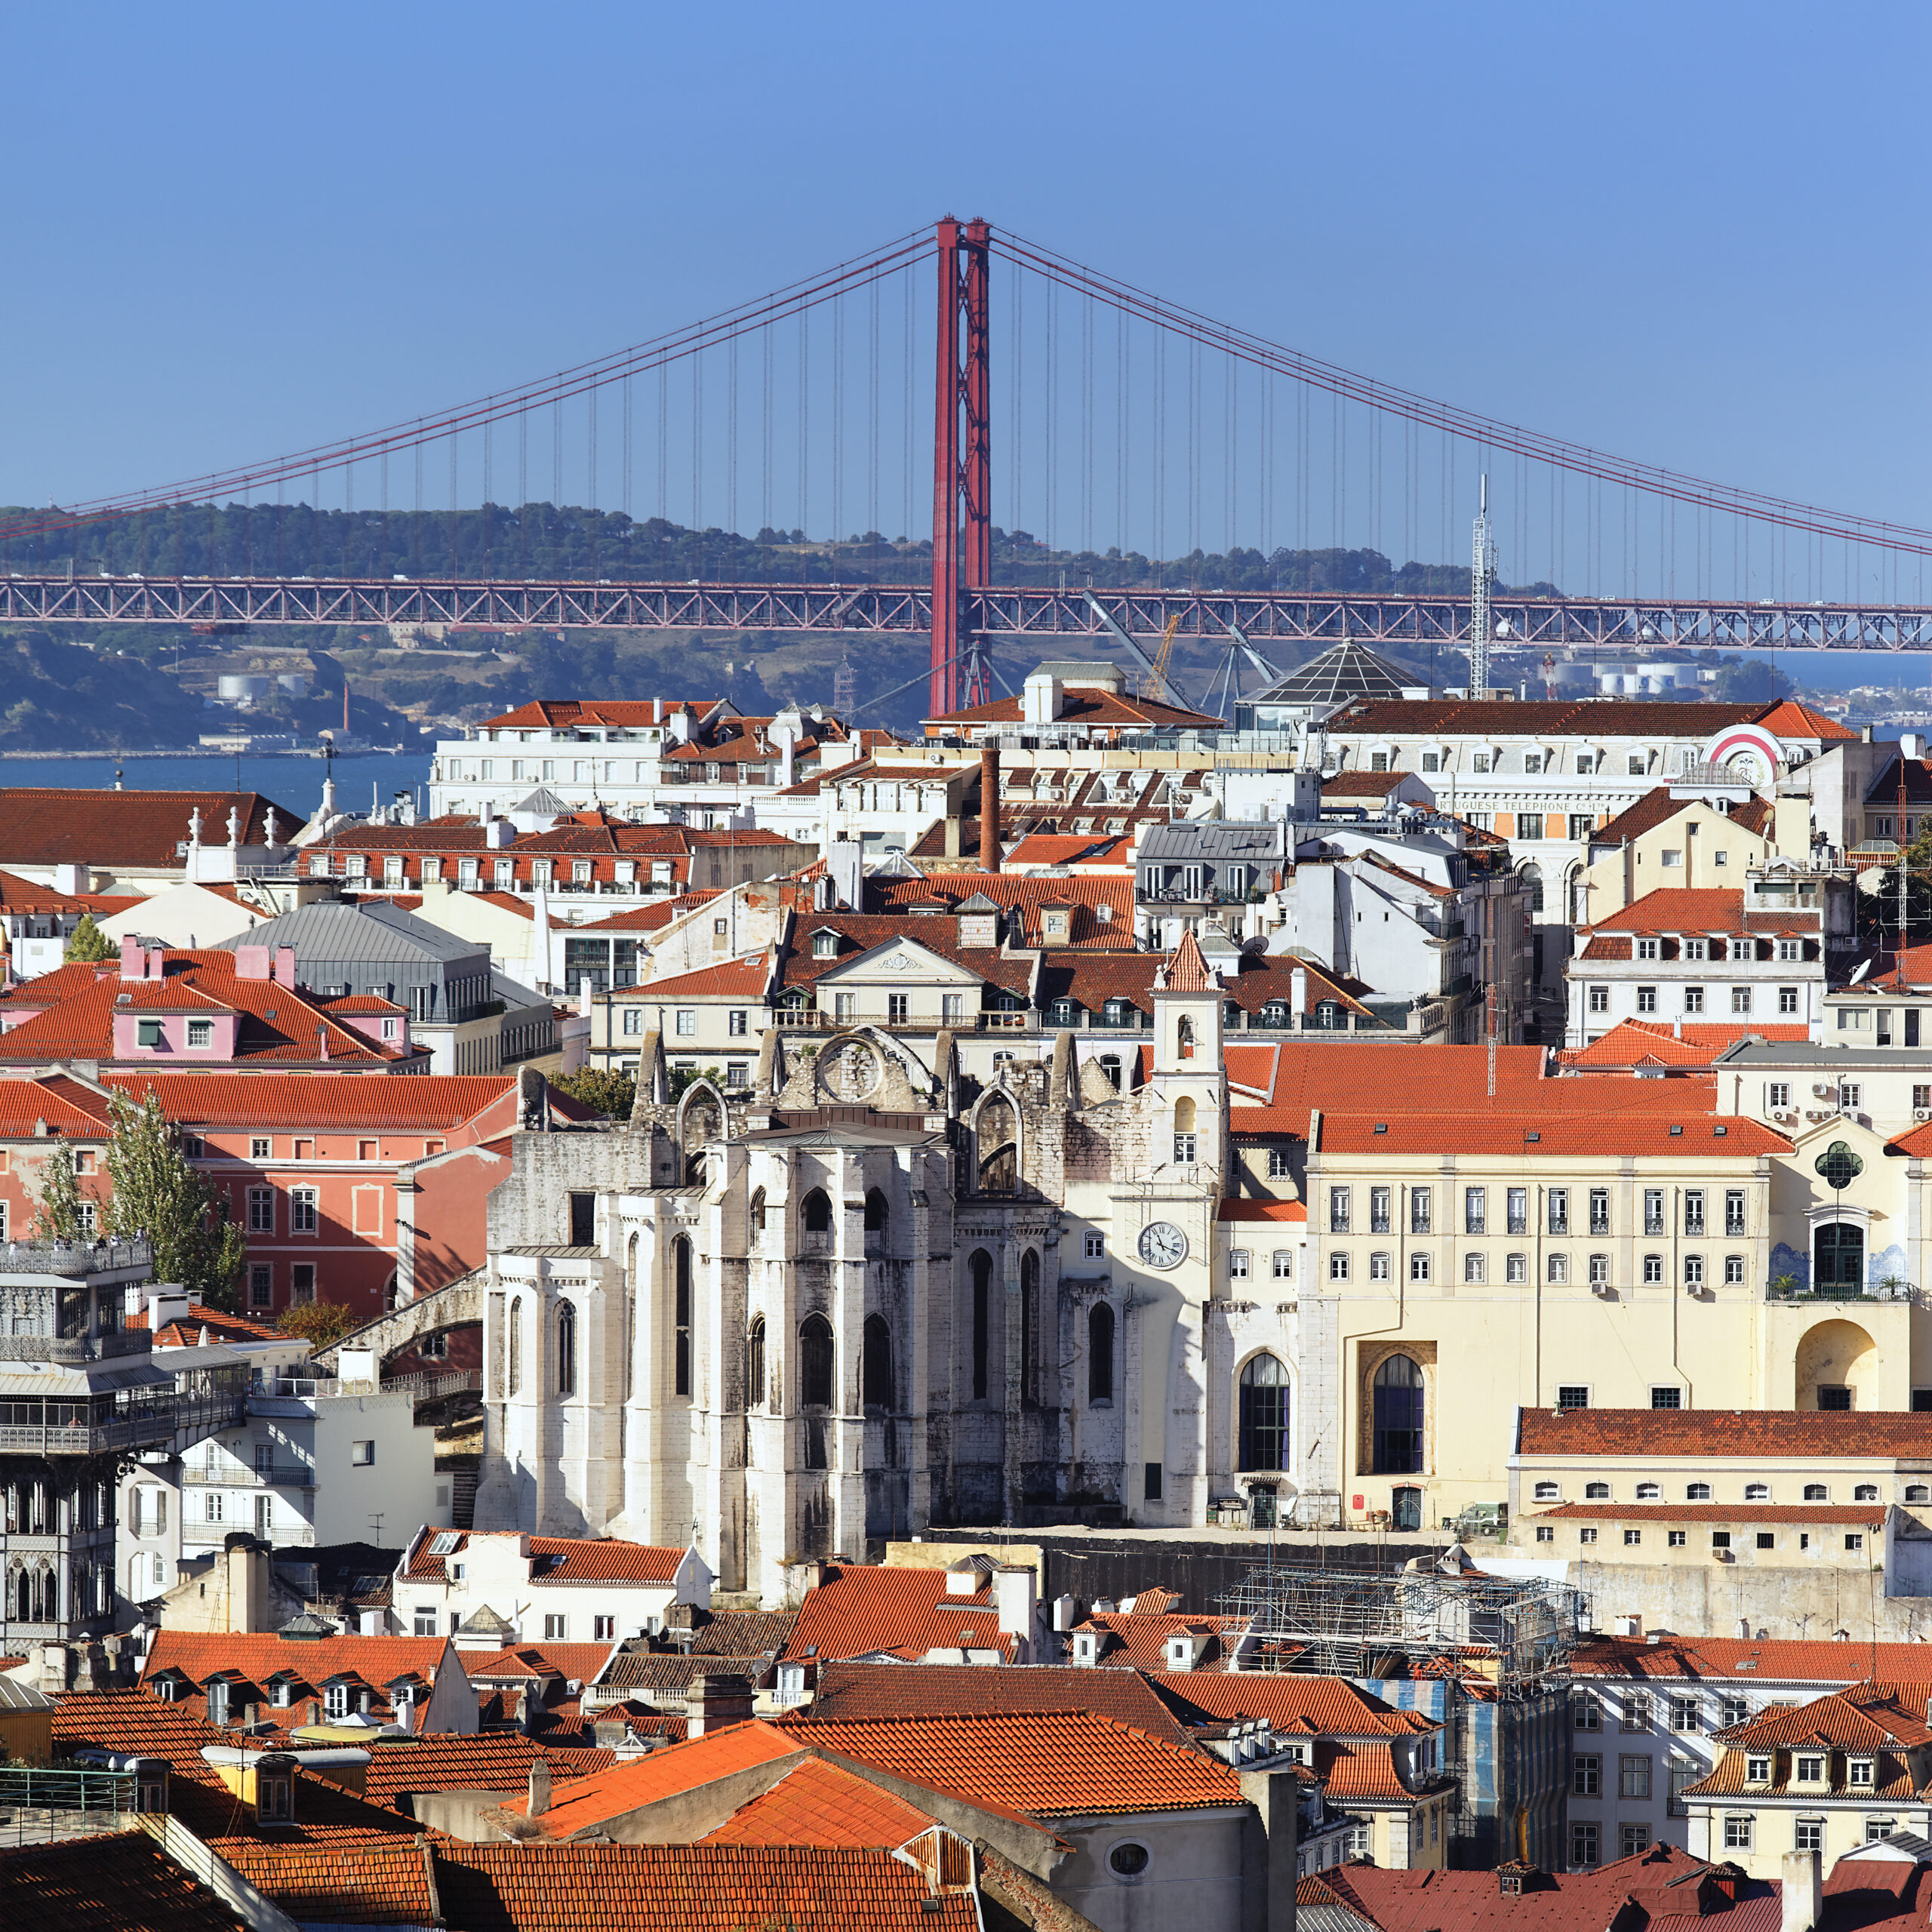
pixel 1155 685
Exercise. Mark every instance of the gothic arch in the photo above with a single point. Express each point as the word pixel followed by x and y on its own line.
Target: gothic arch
pixel 703 1119
pixel 996 1143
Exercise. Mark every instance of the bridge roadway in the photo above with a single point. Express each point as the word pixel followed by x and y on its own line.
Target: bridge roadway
pixel 998 611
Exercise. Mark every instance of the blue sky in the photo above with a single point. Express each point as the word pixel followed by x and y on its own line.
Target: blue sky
pixel 1692 234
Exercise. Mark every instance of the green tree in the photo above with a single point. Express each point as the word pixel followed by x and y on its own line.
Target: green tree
pixel 60 1214
pixel 88 942
pixel 157 1195
pixel 321 1324
pixel 611 1091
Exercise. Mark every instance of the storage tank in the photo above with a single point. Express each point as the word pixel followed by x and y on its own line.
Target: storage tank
pixel 295 683
pixel 241 687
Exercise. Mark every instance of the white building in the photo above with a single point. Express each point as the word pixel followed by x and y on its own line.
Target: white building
pixel 548 1589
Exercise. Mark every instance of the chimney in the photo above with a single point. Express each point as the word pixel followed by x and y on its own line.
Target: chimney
pixel 1800 1894
pixel 1013 1592
pixel 989 807
pixel 251 962
pixel 1297 994
pixel 285 967
pixel 539 1787
pixel 133 958
pixel 322 1043
pixel 713 1702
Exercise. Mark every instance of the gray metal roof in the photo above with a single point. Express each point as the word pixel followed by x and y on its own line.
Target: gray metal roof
pixel 1837 1060
pixel 1349 670
pixel 513 992
pixel 540 802
pixel 1213 839
pixel 332 929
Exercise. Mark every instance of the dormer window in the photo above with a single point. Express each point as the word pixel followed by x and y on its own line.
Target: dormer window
pixel 1862 1771
pixel 1808 1769
pixel 1758 1770
pixel 1533 762
pixel 825 945
pixel 1647 948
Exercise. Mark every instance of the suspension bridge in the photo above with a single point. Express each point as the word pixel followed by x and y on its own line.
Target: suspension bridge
pixel 1119 418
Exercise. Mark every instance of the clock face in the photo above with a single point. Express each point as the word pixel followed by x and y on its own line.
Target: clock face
pixel 1163 1245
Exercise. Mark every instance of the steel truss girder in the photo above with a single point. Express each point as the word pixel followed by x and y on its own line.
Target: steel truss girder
pixel 1401 623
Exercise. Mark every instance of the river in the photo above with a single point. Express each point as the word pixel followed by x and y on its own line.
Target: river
pixel 292 782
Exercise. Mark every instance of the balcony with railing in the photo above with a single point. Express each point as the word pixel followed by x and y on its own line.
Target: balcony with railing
pixel 230 1474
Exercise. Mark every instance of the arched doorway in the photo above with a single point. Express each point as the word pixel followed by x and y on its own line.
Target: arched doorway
pixel 1830 1362
pixel 1838 1259
pixel 1264 1414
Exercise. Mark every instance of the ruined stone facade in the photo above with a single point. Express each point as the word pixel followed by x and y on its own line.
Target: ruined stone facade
pixel 869 1295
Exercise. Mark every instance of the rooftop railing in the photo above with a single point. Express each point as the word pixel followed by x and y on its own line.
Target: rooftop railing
pixel 75 1258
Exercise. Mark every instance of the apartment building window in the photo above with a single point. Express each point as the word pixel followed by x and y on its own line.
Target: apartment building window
pixel 1419 1268
pixel 302 1210
pixel 686 1021
pixel 302 1283
pixel 1284 1264
pixel 1238 1264
pixel 1474 1269
pixel 1599 1271
pixel 1517 1208
pixel 1808 1834
pixel 1730 1711
pixel 1515 1268
pixel 1734 1270
pixel 1693 1210
pixel 1280 1163
pixel 1581 824
pixel 1378 1265
pixel 1184 1149
pixel 1636 1837
pixel 261 1284
pixel 554 1626
pixel 1479 762
pixel 1647 948
pixel 1586 1773
pixel 1850 1096
pixel 1559 1268
pixel 1419 1209
pixel 1693 999
pixel 1737 1832
pixel 633 1019
pixel 738 1024
pixel 1599 999
pixel 362 1455
pixel 261 1210
pixel 1431 761
pixel 845 1007
pixel 1570 1395
pixel 1338 1211
pixel 1637 1712
pixel 1685 1715
pixel 1631 1538
pixel 1599 1211
pixel 1378 1204
pixel 1646 999
pixel 952 1009
pixel 1740 999
pixel 1654 1211
pixel 1558 1199
pixel 1583 1843
pixel 1475 1209
pixel 1662 1397
pixel 1533 763
pixel 1787 999
pixel 1587 1711
pixel 1338 1267
pixel 897 1006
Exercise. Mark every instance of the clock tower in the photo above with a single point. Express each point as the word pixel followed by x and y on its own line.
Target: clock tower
pixel 1164 1208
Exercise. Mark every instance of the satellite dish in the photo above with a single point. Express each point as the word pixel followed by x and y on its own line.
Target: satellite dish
pixel 1864 966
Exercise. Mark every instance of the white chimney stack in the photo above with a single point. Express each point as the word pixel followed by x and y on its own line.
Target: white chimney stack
pixel 1801 1901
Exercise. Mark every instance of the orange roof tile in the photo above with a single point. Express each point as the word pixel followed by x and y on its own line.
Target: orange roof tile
pixel 51 825
pixel 1043 1764
pixel 1866 1717
pixel 1702 909
pixel 1293 1703
pixel 689 1888
pixel 1774 1660
pixel 1676 1123
pixel 849 1692
pixel 594 1801
pixel 736 979
pixel 1804 1434
pixel 492 1760
pixel 1186 972
pixel 863 1609
pixel 113 1882
pixel 1686 1044
pixel 559 1559
pixel 624 713
pixel 820 1803
pixel 1245 1209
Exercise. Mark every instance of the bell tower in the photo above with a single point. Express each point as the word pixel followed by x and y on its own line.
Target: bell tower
pixel 1188 1080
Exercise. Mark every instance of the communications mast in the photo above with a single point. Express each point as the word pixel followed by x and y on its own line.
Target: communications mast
pixel 1482 571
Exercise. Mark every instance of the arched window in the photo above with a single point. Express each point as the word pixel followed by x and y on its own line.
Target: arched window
pixel 876 1369
pixel 1548 1492
pixel 680 1318
pixel 566 1350
pixel 1275 1012
pixel 1696 1492
pixel 1264 1414
pixel 815 1364
pixel 630 1313
pixel 1648 1492
pixel 818 1206
pixel 877 1213
pixel 758 1210
pixel 1816 1492
pixel 999 1161
pixel 1100 1353
pixel 1184 1037
pixel 1029 1328
pixel 1865 1492
pixel 515 1327
pixel 1596 1492
pixel 982 1267
pixel 1757 1492
pixel 1532 877
pixel 1398 1417
pixel 754 1366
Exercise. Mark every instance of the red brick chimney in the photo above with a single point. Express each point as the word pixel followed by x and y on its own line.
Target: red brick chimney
pixel 989 806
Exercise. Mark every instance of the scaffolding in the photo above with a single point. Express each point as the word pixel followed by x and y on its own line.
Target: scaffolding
pixel 1430 1618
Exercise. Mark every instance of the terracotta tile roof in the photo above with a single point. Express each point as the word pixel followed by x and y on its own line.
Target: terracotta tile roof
pixel 860 932
pixel 741 1633
pixel 73 1007
pixel 1295 1704
pixel 1259 978
pixel 736 979
pixel 557 1559
pixel 291 1102
pixel 27 895
pixel 849 1692
pixel 1866 1516
pixel 1788 718
pixel 1699 1134
pixel 53 825
pixel 1138 1640
pixel 820 1803
pixel 1572 718
pixel 1047 848
pixel 494 1761
pixel 1186 972
pixel 1364 1774
pixel 1686 1043
pixel 1662 1890
pixel 594 1801
pixel 1041 1764
pixel 186 1332
pixel 1244 1209
pixel 1891 1784
pixel 1361 784
pixel 689 1888
pixel 1084 705
pixel 1778 1660
pixel 1804 1434
pixel 1090 898
pixel 1702 909
pixel 628 713
pixel 254 1660
pixel 135 1721
pixel 863 1609
pixel 115 1882
pixel 653 918
pixel 1867 1717
pixel 1656 808
pixel 71 1111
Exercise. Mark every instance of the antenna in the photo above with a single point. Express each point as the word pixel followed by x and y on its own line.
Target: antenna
pixel 1482 570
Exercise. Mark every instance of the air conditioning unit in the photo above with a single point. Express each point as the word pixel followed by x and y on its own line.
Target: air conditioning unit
pixel 1825 1089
